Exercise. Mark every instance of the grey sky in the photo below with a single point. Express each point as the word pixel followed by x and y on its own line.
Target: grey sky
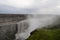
pixel 30 6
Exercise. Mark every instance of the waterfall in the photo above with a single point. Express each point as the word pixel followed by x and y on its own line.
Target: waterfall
pixel 32 23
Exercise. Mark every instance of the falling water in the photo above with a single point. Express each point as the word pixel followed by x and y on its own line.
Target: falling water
pixel 32 23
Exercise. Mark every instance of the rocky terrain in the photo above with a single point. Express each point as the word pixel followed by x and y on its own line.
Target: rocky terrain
pixel 8 31
pixel 8 18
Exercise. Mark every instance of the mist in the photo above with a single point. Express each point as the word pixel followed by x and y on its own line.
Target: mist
pixel 35 21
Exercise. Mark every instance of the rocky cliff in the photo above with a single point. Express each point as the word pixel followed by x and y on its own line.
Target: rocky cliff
pixel 8 26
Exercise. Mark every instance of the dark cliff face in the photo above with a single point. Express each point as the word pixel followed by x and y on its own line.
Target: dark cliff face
pixel 8 31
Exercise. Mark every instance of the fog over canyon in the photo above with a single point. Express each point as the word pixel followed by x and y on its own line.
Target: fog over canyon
pixel 19 26
pixel 33 22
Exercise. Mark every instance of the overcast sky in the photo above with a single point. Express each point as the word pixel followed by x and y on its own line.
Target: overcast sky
pixel 30 6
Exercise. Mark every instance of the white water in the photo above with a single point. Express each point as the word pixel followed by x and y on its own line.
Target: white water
pixel 35 22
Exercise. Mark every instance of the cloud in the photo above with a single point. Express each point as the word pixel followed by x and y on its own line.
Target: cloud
pixel 10 9
pixel 18 3
pixel 31 6
pixel 16 6
pixel 48 7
